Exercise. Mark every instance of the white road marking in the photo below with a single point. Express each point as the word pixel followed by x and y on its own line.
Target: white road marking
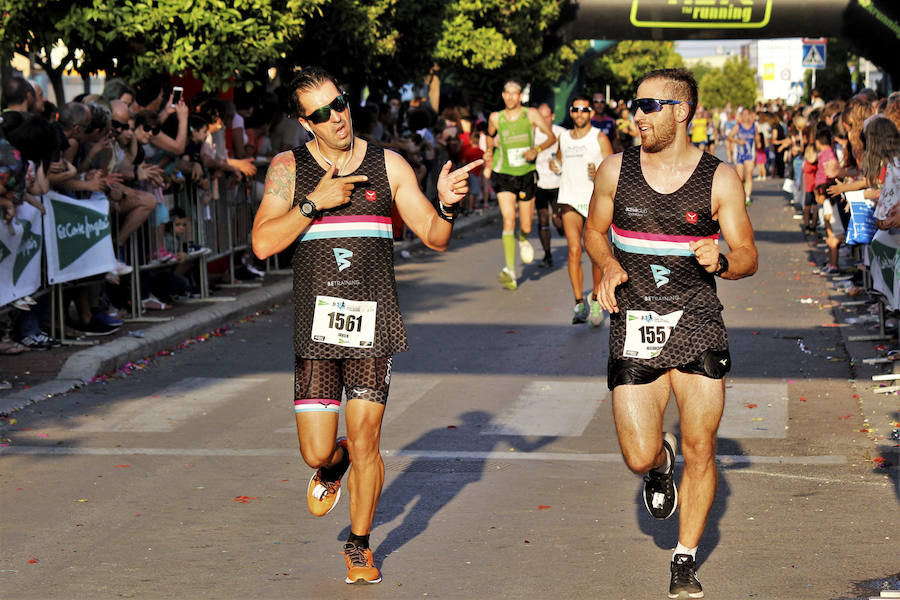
pixel 169 407
pixel 755 410
pixel 404 454
pixel 553 408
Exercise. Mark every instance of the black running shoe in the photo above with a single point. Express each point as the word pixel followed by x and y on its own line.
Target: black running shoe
pixel 546 262
pixel 660 493
pixel 684 583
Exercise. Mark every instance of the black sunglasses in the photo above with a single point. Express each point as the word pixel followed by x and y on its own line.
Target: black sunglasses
pixel 320 115
pixel 652 105
pixel 583 109
pixel 154 131
pixel 120 126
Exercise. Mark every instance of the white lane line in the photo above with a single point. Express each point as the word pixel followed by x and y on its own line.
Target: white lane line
pixel 755 410
pixel 170 406
pixel 725 460
pixel 804 477
pixel 557 408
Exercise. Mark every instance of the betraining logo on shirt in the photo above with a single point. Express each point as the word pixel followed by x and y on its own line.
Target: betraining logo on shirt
pixel 341 256
pixel 660 275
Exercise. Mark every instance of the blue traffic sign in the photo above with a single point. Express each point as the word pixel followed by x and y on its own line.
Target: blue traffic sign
pixel 813 56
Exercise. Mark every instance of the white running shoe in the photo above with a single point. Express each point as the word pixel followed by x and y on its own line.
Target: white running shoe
pixel 526 251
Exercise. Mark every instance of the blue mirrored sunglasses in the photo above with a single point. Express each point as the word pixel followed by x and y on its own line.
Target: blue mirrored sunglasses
pixel 652 105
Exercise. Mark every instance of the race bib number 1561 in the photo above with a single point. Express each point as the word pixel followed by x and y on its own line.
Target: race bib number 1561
pixel 344 322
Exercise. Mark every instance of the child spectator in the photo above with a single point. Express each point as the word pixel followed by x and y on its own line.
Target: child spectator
pixel 467 154
pixel 834 223
pixel 810 207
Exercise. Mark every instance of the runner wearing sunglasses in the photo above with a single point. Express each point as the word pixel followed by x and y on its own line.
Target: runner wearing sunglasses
pixel 666 203
pixel 333 196
pixel 581 150
pixel 512 164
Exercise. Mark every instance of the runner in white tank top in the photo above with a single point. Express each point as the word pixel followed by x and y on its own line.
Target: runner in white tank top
pixel 581 151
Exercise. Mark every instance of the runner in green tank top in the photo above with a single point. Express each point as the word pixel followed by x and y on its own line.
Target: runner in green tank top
pixel 512 163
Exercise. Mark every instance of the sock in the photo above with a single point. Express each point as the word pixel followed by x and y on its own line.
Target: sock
pixel 578 301
pixel 664 468
pixel 522 236
pixel 544 233
pixel 361 541
pixel 682 549
pixel 509 249
pixel 337 470
pixel 594 297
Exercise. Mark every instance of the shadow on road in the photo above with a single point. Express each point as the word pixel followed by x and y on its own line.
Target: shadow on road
pixel 427 485
pixel 665 533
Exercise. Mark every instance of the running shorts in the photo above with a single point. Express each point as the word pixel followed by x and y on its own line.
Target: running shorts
pixel 625 371
pixel 318 383
pixel 523 186
pixel 546 198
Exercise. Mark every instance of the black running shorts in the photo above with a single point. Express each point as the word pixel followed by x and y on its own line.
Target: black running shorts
pixel 322 381
pixel 545 198
pixel 625 371
pixel 523 186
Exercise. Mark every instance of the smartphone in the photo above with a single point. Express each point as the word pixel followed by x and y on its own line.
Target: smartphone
pixel 176 94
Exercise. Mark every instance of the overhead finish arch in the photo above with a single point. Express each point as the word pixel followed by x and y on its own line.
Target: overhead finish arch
pixel 871 26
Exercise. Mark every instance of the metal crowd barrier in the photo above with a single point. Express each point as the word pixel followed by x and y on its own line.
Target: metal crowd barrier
pixel 222 224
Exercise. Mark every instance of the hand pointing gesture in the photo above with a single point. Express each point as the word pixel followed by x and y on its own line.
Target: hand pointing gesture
pixel 453 187
pixel 334 191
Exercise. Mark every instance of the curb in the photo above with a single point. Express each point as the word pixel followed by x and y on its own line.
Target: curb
pixel 86 364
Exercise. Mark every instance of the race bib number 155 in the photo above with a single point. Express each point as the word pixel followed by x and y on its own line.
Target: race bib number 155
pixel 646 332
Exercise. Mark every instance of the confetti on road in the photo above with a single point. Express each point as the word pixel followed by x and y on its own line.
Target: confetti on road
pixel 243 499
pixel 543 506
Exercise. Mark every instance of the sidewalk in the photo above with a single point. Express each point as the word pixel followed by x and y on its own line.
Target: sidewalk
pixel 37 375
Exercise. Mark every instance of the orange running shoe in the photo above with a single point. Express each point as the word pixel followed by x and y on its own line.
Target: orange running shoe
pixel 360 566
pixel 322 495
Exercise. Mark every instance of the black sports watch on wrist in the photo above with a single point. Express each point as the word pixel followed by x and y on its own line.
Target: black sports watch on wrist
pixel 723 265
pixel 308 209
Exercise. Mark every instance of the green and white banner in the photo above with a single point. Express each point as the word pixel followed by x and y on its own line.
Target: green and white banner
pixel 20 254
pixel 883 255
pixel 79 243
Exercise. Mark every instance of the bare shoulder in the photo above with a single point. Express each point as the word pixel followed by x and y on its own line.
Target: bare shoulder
pixel 394 162
pixel 610 167
pixel 283 159
pixel 725 177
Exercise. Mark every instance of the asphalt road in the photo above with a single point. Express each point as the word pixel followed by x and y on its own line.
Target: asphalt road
pixel 504 478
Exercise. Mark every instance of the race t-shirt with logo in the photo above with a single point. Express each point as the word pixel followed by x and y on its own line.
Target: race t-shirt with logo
pixel 669 312
pixel 345 295
pixel 514 139
pixel 547 179
pixel 576 187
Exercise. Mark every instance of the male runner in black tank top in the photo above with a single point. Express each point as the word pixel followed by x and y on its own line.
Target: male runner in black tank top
pixel 347 322
pixel 665 203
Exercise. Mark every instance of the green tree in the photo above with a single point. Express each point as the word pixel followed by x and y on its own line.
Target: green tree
pixel 622 66
pixel 735 82
pixel 219 41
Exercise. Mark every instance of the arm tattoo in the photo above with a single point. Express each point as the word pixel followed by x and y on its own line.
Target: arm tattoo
pixel 280 179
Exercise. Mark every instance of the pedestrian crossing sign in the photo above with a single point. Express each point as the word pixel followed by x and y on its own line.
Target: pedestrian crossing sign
pixel 813 56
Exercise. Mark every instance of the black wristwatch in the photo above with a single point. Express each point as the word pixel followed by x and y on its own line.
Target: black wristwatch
pixel 308 209
pixel 447 213
pixel 723 265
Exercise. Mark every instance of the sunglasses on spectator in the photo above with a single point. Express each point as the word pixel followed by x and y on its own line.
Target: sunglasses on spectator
pixel 582 109
pixel 652 105
pixel 320 115
pixel 154 131
pixel 120 126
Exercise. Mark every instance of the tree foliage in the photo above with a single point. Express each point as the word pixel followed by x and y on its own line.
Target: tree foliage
pixel 620 67
pixel 380 43
pixel 735 82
